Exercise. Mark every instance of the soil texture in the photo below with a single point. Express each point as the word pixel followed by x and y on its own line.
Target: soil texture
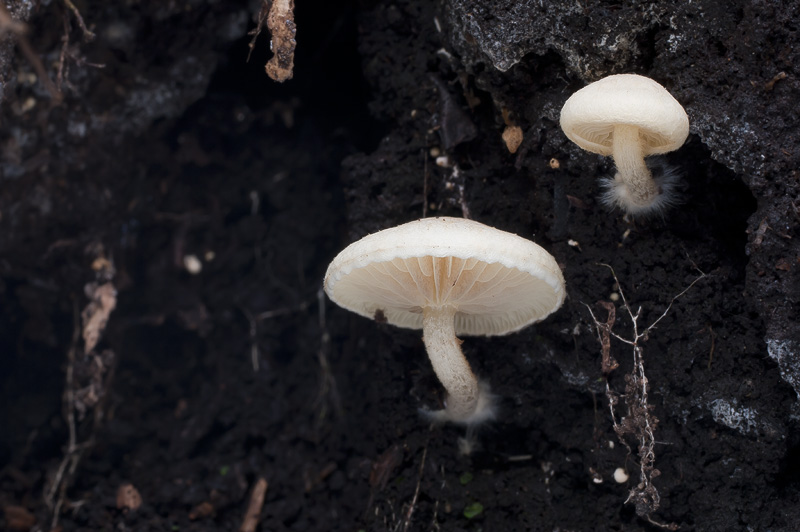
pixel 167 213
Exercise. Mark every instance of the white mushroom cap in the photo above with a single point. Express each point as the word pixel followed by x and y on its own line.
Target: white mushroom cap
pixel 497 282
pixel 589 116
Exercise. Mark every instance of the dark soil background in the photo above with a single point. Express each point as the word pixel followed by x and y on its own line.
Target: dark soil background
pixel 180 152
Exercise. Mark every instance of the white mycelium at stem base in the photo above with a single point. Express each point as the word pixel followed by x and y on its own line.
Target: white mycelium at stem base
pixel 452 368
pixel 634 182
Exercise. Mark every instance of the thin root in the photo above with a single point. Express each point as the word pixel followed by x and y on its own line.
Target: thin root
pixel 638 420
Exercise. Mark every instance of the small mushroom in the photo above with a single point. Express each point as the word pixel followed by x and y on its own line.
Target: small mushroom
pixel 448 277
pixel 629 117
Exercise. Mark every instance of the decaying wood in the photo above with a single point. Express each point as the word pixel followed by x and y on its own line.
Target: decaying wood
pixel 128 497
pixel 103 299
pixel 282 28
pixel 250 521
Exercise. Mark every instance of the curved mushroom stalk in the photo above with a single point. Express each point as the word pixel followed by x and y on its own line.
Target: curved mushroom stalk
pixel 633 182
pixel 467 401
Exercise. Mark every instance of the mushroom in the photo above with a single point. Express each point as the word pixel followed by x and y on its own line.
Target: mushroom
pixel 448 277
pixel 629 117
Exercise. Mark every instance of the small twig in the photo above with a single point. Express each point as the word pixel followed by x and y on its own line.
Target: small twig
pixel 602 327
pixel 608 364
pixel 768 86
pixel 80 60
pixel 665 526
pixel 263 13
pixel 713 336
pixel 761 232
pixel 69 461
pixel 638 421
pixel 613 399
pixel 254 354
pixel 282 28
pixel 328 390
pixel 653 325
pixel 62 59
pixel 413 504
pixel 88 35
pixel 434 521
pixel 88 324
pixel 266 315
pixel 250 521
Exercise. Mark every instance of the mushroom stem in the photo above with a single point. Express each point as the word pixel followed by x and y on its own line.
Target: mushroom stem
pixel 450 365
pixel 639 188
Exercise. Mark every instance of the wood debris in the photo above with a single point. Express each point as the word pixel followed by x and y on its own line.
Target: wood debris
pixel 204 509
pixel 512 136
pixel 91 379
pixel 95 316
pixel 280 23
pixel 608 363
pixel 253 512
pixel 768 86
pixel 128 497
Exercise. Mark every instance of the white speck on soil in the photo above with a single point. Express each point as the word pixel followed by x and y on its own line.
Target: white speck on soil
pixel 733 416
pixel 787 354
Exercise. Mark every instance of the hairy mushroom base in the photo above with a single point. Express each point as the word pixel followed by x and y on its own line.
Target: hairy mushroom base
pixel 665 179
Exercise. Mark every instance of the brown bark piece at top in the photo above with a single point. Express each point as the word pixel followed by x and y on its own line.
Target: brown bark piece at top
pixel 283 30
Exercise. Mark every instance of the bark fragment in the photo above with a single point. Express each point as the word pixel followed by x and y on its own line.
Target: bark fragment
pixel 280 22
